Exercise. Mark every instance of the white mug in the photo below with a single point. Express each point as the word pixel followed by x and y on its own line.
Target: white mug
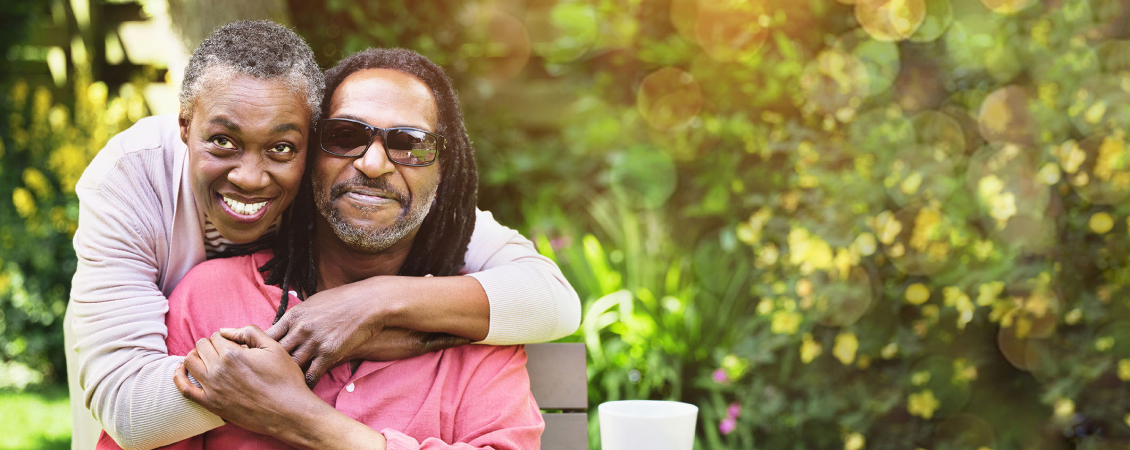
pixel 647 424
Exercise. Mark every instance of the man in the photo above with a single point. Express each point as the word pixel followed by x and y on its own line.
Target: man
pixel 173 191
pixel 393 184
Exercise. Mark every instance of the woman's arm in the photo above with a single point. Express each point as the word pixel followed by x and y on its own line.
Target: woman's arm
pixel 118 309
pixel 511 295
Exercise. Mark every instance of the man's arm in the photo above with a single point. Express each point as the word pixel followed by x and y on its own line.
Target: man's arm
pixel 118 313
pixel 262 391
pixel 511 295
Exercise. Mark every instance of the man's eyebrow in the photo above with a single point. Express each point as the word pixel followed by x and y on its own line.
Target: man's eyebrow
pixel 284 127
pixel 353 117
pixel 224 122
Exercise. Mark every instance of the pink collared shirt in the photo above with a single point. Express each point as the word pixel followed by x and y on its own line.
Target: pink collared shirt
pixel 473 396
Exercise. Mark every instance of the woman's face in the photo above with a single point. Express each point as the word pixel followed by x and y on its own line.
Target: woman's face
pixel 246 150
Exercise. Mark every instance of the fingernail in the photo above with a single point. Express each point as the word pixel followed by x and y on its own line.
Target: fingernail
pixel 227 329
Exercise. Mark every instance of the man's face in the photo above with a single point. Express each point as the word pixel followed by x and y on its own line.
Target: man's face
pixel 370 202
pixel 246 139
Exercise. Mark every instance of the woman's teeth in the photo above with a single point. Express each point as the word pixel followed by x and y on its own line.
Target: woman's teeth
pixel 244 208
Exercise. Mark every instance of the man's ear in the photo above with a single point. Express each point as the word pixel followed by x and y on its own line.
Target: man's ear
pixel 183 122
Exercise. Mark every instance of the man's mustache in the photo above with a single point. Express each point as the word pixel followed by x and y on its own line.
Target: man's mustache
pixel 363 183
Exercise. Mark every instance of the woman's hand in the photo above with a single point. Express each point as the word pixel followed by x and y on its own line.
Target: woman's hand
pixel 248 379
pixel 362 321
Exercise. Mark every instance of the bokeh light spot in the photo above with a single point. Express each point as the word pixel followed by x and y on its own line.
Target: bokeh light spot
pixel 1005 117
pixel 1006 6
pixel 939 16
pixel 890 20
pixel 669 98
pixel 730 31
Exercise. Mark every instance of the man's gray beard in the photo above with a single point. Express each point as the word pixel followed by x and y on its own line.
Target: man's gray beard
pixel 372 240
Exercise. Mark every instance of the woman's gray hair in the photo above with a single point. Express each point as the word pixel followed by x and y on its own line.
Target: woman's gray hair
pixel 256 48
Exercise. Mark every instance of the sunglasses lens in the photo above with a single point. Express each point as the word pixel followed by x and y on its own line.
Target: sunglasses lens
pixel 344 138
pixel 409 146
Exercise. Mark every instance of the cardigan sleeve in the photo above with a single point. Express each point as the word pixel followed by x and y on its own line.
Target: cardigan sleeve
pixel 119 311
pixel 530 300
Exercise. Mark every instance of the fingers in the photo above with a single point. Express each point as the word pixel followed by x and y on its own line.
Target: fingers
pixel 303 354
pixel 431 342
pixel 279 329
pixel 205 353
pixel 251 336
pixel 186 387
pixel 318 367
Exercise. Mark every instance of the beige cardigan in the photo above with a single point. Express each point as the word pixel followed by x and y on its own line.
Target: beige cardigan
pixel 140 231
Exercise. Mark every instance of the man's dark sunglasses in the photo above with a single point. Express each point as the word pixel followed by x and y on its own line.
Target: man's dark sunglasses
pixel 403 145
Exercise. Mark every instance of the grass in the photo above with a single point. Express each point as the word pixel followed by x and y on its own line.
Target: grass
pixel 35 419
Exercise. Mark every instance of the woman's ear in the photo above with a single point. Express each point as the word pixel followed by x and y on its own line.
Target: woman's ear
pixel 183 121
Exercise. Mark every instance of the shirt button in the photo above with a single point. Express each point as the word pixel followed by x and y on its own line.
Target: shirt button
pixel 350 388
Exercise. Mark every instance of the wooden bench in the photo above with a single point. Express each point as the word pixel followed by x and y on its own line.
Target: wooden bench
pixel 559 382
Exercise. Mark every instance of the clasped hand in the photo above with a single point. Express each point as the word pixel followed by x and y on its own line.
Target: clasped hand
pixel 245 377
pixel 349 323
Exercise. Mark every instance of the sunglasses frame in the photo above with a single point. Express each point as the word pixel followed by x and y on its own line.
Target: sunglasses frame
pixel 373 133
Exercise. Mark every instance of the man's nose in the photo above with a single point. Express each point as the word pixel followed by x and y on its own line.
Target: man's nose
pixel 250 174
pixel 374 162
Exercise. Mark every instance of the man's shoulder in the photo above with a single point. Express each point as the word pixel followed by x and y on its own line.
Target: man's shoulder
pixel 491 359
pixel 160 134
pixel 243 268
pixel 223 277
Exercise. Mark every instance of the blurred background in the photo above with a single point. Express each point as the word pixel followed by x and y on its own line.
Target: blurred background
pixel 879 224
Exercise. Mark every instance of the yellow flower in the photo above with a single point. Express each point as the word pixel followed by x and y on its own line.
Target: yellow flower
pixel 917 294
pixel 989 292
pixel 854 441
pixel 846 346
pixel 1104 343
pixel 1095 113
pixel 1064 407
pixel 922 404
pixel 785 322
pixel 887 227
pixel 1070 156
pixel 1110 159
pixel 889 351
pixel 963 372
pixel 1124 369
pixel 804 288
pixel 809 251
pixel 1049 174
pixel 25 203
pixel 919 378
pixel 1101 223
pixel 926 224
pixel 865 243
pixel 809 349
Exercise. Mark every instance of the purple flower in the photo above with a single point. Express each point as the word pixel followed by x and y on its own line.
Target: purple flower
pixel 720 376
pixel 727 426
pixel 734 411
pixel 560 242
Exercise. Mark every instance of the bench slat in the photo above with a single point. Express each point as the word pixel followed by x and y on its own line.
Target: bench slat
pixel 565 431
pixel 557 375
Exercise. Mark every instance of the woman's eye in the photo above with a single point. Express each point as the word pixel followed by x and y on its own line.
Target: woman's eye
pixel 222 142
pixel 283 148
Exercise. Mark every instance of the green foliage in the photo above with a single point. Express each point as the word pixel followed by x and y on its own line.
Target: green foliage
pixel 883 224
pixel 45 147
pixel 880 224
pixel 35 419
